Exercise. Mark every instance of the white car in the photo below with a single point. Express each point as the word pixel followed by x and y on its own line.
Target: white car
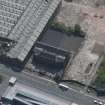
pixel 100 103
pixel 1 103
pixel 96 102
pixel 63 86
pixel 12 81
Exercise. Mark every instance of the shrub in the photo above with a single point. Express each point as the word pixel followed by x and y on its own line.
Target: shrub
pixel 58 26
pixel 100 79
pixel 68 30
pixel 61 27
pixel 78 31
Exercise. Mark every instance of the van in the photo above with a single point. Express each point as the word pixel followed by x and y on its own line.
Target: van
pixel 12 81
pixel 63 87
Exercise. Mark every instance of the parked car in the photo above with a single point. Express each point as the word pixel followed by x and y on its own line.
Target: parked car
pixel 100 103
pixel 95 101
pixel 63 87
pixel 12 81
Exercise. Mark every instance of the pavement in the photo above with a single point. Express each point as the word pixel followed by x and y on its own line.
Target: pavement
pixel 47 86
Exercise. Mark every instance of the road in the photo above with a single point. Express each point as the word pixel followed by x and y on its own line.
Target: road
pixel 45 86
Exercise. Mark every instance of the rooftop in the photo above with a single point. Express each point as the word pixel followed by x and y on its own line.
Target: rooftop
pixel 23 21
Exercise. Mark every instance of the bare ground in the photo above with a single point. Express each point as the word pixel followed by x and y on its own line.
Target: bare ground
pixel 91 17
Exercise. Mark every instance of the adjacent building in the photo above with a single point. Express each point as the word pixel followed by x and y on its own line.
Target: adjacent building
pixel 21 23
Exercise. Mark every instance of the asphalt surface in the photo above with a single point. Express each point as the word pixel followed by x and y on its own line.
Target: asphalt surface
pixel 61 40
pixel 71 95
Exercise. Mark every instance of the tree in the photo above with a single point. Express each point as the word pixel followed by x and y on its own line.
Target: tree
pixel 100 79
pixel 78 31
pixel 77 28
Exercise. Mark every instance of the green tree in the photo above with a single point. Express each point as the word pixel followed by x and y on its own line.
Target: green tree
pixel 100 79
pixel 78 31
